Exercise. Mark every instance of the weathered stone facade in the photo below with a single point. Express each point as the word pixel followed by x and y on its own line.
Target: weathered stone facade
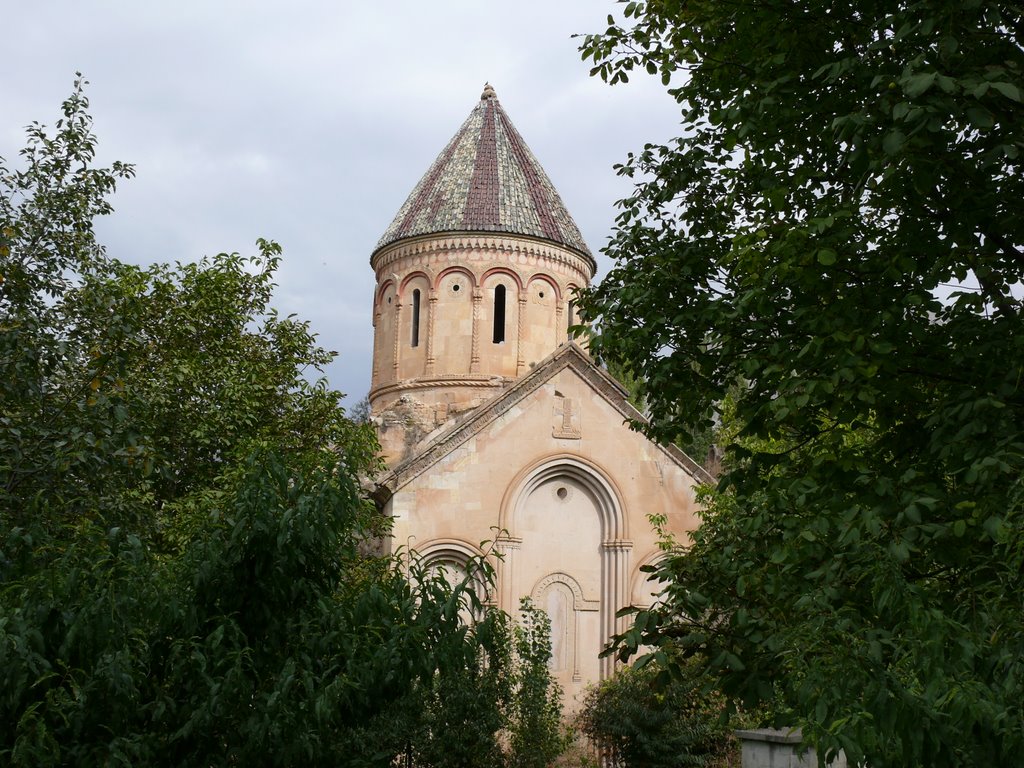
pixel 495 426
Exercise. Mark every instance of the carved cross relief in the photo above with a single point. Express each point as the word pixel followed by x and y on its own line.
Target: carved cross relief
pixel 567 419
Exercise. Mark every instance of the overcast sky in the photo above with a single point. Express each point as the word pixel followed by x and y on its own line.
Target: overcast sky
pixel 309 123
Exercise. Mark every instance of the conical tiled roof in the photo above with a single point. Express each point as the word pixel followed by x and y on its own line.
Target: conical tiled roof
pixel 486 180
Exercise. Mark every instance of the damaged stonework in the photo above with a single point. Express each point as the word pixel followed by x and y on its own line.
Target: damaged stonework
pixel 408 422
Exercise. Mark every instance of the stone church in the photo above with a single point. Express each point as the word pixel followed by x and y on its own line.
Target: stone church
pixel 494 425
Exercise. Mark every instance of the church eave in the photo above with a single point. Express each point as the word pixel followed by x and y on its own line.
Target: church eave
pixel 586 256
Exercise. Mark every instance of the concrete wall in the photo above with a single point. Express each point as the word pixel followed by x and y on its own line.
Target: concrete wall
pixel 773 748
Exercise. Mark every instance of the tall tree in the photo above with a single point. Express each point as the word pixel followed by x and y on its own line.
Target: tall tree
pixel 184 577
pixel 835 248
pixel 124 383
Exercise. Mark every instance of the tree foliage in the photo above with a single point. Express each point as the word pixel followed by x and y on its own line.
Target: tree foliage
pixel 639 721
pixel 536 736
pixel 184 568
pixel 125 383
pixel 502 708
pixel 269 639
pixel 836 240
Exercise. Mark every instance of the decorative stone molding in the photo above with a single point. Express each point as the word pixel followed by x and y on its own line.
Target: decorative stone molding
pixel 474 360
pixel 430 332
pixel 396 345
pixel 508 542
pixel 432 382
pixel 467 247
pixel 640 582
pixel 508 547
pixel 457 553
pixel 618 545
pixel 569 355
pixel 614 526
pixel 527 261
pixel 560 580
pixel 567 420
pixel 520 315
pixel 375 375
pixel 582 603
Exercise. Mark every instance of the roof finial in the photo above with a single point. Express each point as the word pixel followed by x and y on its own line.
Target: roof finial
pixel 488 92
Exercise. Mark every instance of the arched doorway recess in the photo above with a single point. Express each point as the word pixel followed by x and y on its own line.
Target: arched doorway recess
pixel 563 524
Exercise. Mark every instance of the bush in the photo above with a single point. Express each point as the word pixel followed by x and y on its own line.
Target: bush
pixel 641 719
pixel 536 735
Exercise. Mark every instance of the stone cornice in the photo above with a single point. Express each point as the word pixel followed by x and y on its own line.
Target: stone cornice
pixel 604 384
pixel 385 258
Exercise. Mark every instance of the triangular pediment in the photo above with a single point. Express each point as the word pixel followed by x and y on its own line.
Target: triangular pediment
pixel 568 356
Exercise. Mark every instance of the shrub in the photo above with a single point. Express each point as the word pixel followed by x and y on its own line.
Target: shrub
pixel 639 719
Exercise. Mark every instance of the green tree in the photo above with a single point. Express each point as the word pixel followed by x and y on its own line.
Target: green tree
pixel 458 710
pixel 268 638
pixel 499 706
pixel 183 569
pixel 125 383
pixel 536 735
pixel 642 721
pixel 836 237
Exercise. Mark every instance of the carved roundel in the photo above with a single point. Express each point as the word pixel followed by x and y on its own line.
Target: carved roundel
pixel 456 288
pixel 562 492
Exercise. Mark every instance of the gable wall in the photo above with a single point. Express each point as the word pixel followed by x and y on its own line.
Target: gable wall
pixel 570 487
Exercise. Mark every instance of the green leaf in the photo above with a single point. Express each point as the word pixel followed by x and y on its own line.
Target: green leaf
pixel 980 118
pixel 1009 90
pixel 893 142
pixel 917 85
pixel 886 604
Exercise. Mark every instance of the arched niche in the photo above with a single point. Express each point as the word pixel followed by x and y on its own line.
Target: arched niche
pixel 499 321
pixel 570 315
pixel 560 596
pixel 385 317
pixel 542 311
pixel 643 590
pixel 414 328
pixel 610 508
pixel 456 559
pixel 564 515
pixel 454 550
pixel 452 330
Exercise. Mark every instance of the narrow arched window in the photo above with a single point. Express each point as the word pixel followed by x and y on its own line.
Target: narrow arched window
pixel 499 314
pixel 416 318
pixel 571 315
